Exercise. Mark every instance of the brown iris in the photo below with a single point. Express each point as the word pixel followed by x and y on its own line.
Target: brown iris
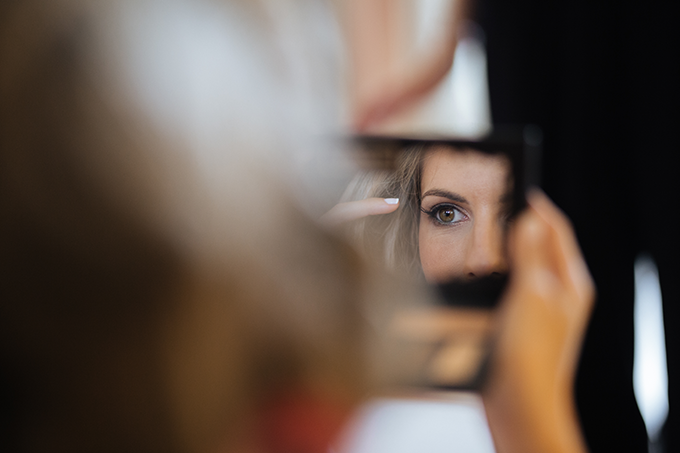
pixel 446 214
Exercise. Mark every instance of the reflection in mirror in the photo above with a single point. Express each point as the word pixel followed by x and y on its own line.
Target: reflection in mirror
pixel 456 202
pixel 455 206
pixel 465 203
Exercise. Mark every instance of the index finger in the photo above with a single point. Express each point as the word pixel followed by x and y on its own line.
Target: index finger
pixel 353 210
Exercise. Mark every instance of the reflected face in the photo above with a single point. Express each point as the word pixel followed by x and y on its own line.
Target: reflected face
pixel 465 205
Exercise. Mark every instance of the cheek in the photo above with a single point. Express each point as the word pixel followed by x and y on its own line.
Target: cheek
pixel 442 254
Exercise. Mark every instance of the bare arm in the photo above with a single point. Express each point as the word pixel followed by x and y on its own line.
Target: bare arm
pixel 386 75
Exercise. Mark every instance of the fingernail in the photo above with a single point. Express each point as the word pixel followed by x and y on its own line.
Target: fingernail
pixel 534 193
pixel 534 227
pixel 391 200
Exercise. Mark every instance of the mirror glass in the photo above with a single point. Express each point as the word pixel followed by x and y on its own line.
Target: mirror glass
pixel 457 201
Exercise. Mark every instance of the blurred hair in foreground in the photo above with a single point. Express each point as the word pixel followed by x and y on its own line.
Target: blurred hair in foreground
pixel 159 282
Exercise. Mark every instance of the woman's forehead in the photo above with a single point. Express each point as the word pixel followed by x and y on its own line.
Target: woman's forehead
pixel 465 170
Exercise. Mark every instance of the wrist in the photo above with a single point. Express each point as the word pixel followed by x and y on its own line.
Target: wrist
pixel 532 419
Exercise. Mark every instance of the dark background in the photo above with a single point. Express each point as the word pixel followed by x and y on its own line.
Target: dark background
pixel 600 79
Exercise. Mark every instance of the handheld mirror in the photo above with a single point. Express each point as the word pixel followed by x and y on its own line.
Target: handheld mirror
pixel 458 200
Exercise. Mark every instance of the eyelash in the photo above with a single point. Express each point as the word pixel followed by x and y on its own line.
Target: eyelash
pixel 433 214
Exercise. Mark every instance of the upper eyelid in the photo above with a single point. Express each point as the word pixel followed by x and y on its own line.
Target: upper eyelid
pixel 444 203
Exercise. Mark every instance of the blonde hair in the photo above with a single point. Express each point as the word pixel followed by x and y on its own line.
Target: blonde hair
pixel 392 239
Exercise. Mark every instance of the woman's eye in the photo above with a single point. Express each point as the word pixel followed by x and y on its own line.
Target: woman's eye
pixel 445 214
pixel 448 214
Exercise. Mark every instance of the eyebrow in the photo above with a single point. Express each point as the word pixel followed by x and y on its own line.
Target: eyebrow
pixel 445 194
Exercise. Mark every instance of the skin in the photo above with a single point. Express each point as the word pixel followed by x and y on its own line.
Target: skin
pixel 465 194
pixel 529 401
pixel 529 397
pixel 387 74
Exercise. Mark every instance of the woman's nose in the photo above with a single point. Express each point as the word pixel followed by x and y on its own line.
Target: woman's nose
pixel 486 251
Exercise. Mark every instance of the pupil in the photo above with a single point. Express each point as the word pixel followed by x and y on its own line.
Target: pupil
pixel 446 215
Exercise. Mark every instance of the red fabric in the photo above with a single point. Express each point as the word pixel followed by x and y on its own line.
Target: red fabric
pixel 298 422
